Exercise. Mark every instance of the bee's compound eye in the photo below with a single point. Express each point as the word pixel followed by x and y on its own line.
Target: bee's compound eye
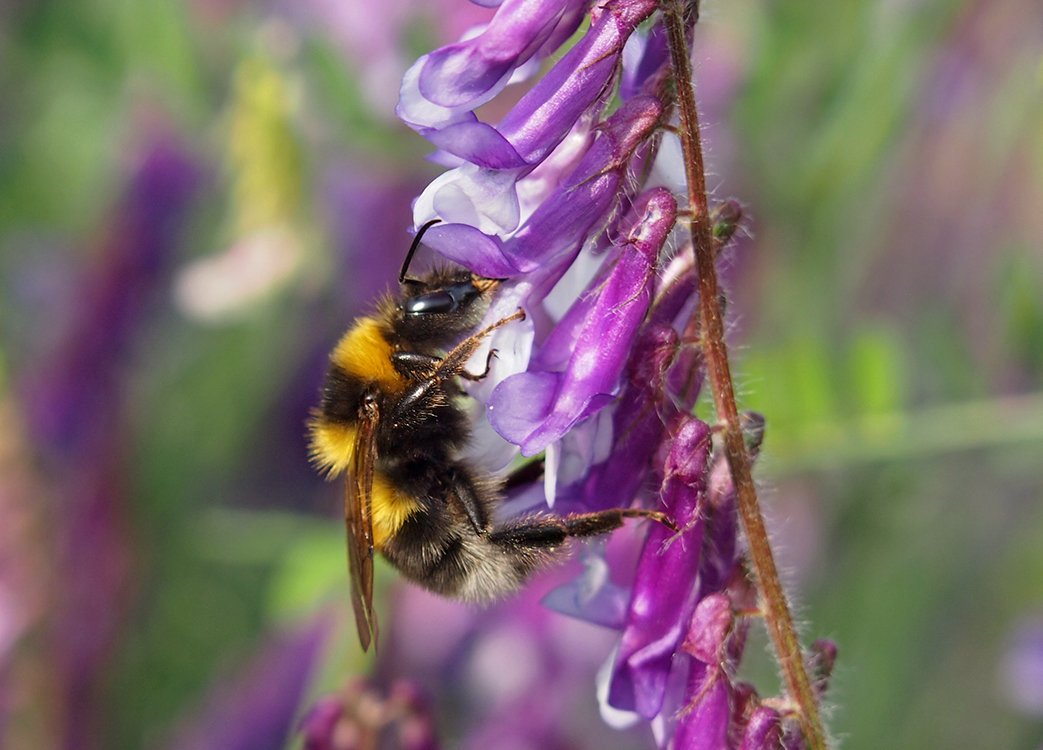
pixel 447 300
pixel 430 303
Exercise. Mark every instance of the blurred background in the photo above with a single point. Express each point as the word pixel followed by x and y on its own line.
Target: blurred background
pixel 197 197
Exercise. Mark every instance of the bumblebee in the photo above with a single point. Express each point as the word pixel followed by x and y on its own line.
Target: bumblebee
pixel 391 418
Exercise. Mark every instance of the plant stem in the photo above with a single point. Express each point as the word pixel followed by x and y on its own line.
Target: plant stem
pixel 776 609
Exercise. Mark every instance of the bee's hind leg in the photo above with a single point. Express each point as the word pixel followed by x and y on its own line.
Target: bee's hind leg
pixel 500 560
pixel 552 531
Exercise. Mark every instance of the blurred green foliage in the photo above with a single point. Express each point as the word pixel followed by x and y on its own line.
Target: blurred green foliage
pixel 888 308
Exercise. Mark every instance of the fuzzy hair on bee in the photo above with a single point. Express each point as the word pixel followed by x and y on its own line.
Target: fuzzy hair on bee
pixel 391 419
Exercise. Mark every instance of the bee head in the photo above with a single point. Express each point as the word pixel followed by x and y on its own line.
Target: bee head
pixel 443 305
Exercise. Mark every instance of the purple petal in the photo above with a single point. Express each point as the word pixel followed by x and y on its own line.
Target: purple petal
pixel 470 248
pixel 591 596
pixel 599 346
pixel 661 603
pixel 764 730
pixel 554 233
pixel 645 55
pixel 547 112
pixel 521 399
pixel 709 629
pixel 493 200
pixel 637 423
pixel 556 230
pixel 421 113
pixel 483 198
pixel 471 72
pixel 477 143
pixel 705 717
pixel 545 177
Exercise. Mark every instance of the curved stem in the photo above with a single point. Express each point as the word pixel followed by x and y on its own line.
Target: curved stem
pixel 776 609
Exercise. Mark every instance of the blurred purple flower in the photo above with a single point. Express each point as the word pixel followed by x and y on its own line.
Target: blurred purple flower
pixel 256 709
pixel 71 398
pixel 520 669
pixel 1021 668
pixel 75 417
pixel 360 717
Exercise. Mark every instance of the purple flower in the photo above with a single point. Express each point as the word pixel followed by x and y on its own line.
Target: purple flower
pixel 763 731
pixel 359 716
pixel 472 71
pixel 487 190
pixel 553 235
pixel 256 708
pixel 590 344
pixel 558 200
pixel 661 603
pixel 441 105
pixel 706 713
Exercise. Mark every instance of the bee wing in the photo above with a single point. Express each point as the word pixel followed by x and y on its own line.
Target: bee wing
pixel 358 523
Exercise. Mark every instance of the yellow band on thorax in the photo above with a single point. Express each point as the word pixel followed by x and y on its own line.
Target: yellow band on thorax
pixel 365 353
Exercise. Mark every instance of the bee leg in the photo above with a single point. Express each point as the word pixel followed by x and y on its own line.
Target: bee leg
pixel 414 365
pixel 454 361
pixel 551 531
pixel 488 365
pixel 464 493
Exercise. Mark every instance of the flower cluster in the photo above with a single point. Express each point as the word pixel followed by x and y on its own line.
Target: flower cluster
pixel 568 199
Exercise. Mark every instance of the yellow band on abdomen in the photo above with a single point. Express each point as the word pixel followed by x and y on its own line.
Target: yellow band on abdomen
pixel 391 508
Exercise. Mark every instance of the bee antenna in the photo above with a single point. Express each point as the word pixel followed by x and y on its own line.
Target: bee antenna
pixel 413 247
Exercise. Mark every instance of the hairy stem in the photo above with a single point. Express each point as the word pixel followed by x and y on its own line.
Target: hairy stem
pixel 776 609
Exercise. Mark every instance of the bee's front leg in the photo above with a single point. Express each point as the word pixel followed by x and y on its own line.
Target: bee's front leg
pixel 415 366
pixel 482 375
pixel 453 363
